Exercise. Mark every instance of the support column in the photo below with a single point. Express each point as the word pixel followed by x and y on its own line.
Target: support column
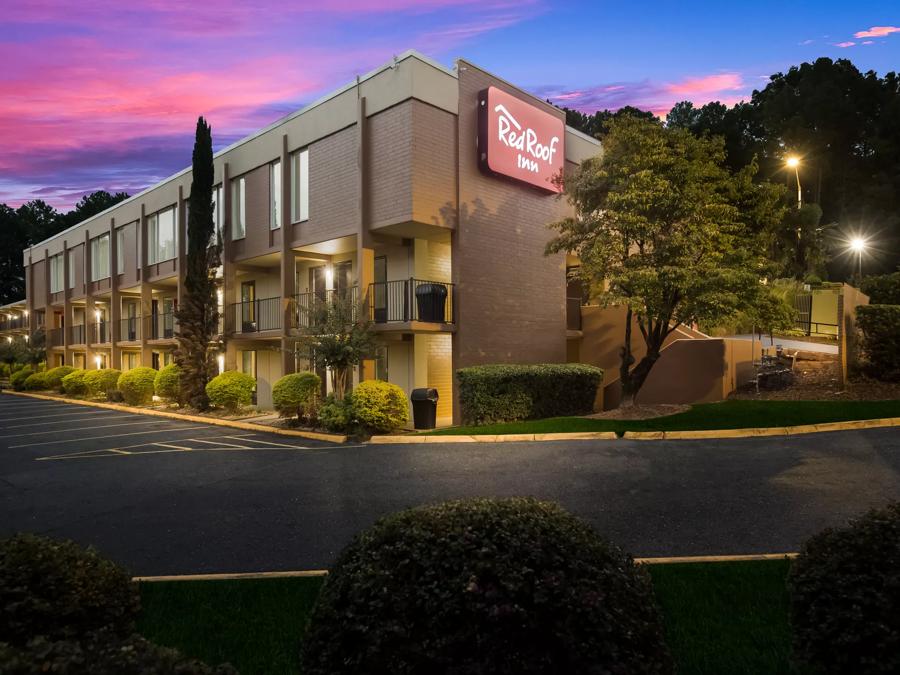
pixel 90 318
pixel 288 290
pixel 68 358
pixel 146 290
pixel 180 247
pixel 228 269
pixel 115 300
pixel 365 252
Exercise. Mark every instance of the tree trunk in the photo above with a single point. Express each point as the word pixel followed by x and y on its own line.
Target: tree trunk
pixel 633 378
pixel 627 360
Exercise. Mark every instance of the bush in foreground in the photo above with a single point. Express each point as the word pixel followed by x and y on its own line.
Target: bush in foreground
pixel 17 379
pixel 73 384
pixel 845 596
pixel 508 392
pixel 380 406
pixel 880 343
pixel 231 390
pixel 297 394
pixel 101 382
pixel 882 289
pixel 55 376
pixel 485 586
pixel 337 414
pixel 167 384
pixel 136 385
pixel 59 590
pixel 36 382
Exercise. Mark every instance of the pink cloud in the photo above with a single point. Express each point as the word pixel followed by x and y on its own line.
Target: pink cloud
pixel 877 31
pixel 707 84
pixel 844 45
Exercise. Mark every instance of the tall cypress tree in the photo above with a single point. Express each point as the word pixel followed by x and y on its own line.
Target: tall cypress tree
pixel 198 316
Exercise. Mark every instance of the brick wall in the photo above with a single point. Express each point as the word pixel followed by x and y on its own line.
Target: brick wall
pixel 390 165
pixel 434 165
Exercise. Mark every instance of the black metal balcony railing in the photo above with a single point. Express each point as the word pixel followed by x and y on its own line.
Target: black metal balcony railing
pixel 130 329
pixel 305 305
pixel 55 337
pixel 99 333
pixel 15 323
pixel 573 313
pixel 254 316
pixel 412 300
pixel 76 335
pixel 162 326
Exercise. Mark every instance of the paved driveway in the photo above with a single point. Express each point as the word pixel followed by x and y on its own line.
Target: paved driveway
pixel 167 497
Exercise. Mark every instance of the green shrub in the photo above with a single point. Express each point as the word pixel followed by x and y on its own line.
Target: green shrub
pixel 379 406
pixel 231 390
pixel 102 381
pixel 845 595
pixel 73 384
pixel 60 590
pixel 506 393
pixel 55 376
pixel 297 395
pixel 879 343
pixel 36 382
pixel 882 289
pixel 337 415
pixel 136 385
pixel 485 586
pixel 167 384
pixel 101 654
pixel 17 379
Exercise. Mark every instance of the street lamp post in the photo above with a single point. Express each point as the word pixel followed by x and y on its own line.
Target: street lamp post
pixel 794 163
pixel 858 245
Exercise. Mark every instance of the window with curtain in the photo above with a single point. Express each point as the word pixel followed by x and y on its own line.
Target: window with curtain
pixel 274 195
pixel 71 255
pixel 239 217
pixel 161 241
pixel 100 257
pixel 300 185
pixel 120 251
pixel 57 273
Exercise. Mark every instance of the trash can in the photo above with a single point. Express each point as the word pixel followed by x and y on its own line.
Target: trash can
pixel 431 299
pixel 424 402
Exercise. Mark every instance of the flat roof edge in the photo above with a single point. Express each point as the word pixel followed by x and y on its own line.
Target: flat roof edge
pixel 409 53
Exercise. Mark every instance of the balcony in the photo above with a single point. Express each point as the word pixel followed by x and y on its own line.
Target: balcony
pixel 76 335
pixel 305 305
pixel 130 329
pixel 412 302
pixel 16 323
pixel 162 326
pixel 99 333
pixel 55 337
pixel 255 316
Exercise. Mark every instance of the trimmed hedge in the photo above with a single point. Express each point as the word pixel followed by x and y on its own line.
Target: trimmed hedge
pixel 506 393
pixel 136 385
pixel 36 382
pixel 167 384
pixel 882 289
pixel 55 376
pixel 297 394
pixel 101 382
pixel 17 379
pixel 845 595
pixel 880 341
pixel 379 406
pixel 485 586
pixel 60 590
pixel 337 415
pixel 231 390
pixel 73 384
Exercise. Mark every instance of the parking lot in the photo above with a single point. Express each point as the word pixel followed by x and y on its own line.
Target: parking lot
pixel 165 496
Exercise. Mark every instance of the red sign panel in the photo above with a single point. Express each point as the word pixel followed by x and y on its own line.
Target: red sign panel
pixel 519 140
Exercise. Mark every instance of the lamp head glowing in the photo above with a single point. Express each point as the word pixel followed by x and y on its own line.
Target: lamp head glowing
pixel 858 244
pixel 792 162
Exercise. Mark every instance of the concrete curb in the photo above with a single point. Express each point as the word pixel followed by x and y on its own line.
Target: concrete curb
pixel 322 573
pixel 246 426
pixel 699 434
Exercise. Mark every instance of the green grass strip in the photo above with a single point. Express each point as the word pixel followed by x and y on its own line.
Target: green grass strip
pixel 724 415
pixel 726 617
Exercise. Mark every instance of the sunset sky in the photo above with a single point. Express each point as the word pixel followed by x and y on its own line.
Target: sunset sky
pixel 104 94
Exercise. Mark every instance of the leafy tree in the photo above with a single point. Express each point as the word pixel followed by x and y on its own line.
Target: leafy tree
pixel 13 239
pixel 597 124
pixel 663 227
pixel 90 205
pixel 336 336
pixel 799 242
pixel 198 316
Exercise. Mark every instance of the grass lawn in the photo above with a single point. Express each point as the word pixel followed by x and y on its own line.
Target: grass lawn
pixel 720 618
pixel 724 415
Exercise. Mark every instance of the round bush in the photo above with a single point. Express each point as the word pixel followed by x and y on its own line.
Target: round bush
pixel 845 596
pixel 485 586
pixel 101 654
pixel 73 384
pixel 17 379
pixel 297 394
pixel 101 382
pixel 336 415
pixel 167 384
pixel 136 385
pixel 231 390
pixel 36 382
pixel 380 406
pixel 60 590
pixel 55 376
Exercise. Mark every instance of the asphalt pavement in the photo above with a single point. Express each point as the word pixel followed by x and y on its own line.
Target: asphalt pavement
pixel 169 497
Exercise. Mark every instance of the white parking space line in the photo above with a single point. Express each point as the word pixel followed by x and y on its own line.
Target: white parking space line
pixel 117 416
pixel 99 426
pixel 174 447
pixel 94 438
pixel 279 445
pixel 200 440
pixel 79 413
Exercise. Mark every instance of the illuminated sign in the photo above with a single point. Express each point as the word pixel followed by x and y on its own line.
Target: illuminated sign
pixel 519 140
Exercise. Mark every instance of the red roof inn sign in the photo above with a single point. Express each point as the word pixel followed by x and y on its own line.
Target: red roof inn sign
pixel 519 140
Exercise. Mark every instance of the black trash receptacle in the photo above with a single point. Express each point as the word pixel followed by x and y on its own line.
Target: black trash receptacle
pixel 431 301
pixel 424 402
